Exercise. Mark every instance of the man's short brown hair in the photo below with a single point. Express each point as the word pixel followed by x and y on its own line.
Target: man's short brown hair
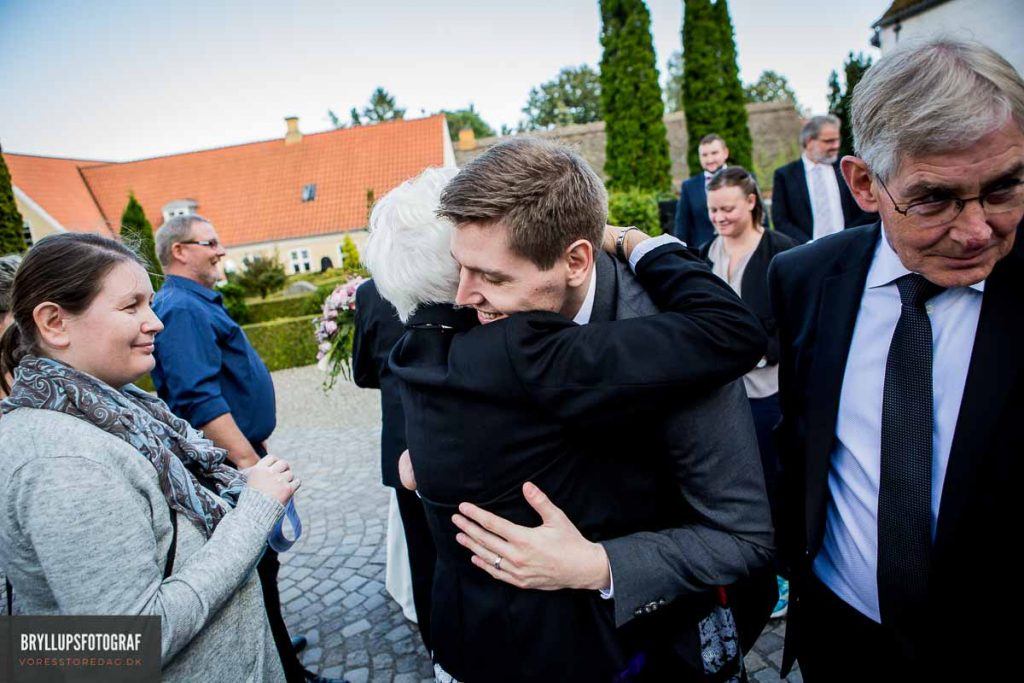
pixel 545 193
pixel 709 138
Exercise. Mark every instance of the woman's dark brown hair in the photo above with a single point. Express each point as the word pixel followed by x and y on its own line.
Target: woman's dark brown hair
pixel 737 176
pixel 65 269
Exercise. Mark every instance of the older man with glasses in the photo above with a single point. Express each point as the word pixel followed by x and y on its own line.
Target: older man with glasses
pixel 210 375
pixel 902 382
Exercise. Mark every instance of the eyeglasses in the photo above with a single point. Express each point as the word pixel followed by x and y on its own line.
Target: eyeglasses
pixel 212 244
pixel 935 212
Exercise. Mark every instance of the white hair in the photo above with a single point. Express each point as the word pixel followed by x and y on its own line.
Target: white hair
pixel 930 97
pixel 409 248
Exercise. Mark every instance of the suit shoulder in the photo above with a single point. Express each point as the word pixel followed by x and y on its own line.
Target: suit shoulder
pixel 788 169
pixel 815 258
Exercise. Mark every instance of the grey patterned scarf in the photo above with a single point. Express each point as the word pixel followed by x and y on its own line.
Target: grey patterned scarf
pixel 179 454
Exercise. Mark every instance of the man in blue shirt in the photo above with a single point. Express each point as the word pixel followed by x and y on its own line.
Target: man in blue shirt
pixel 206 370
pixel 210 375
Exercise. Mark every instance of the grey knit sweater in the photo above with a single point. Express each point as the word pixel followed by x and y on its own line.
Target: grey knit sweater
pixel 85 529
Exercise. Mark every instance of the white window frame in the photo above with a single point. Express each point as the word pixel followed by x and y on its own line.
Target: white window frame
pixel 300 260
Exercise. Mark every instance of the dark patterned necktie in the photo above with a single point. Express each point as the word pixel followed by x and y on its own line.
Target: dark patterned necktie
pixel 905 487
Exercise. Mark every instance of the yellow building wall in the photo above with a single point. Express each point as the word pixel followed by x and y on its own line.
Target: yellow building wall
pixel 318 246
pixel 38 224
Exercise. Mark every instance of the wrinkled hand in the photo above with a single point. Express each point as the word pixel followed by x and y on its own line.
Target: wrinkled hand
pixel 405 472
pixel 551 556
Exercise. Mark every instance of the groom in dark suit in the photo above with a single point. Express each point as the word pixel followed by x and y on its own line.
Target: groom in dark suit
pixel 692 223
pixel 516 249
pixel 902 383
pixel 810 199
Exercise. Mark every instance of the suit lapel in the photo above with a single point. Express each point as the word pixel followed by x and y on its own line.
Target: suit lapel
pixel 996 367
pixel 837 315
pixel 803 193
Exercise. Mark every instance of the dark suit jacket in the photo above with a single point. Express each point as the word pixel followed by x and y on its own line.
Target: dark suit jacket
pixel 791 203
pixel 816 291
pixel 529 398
pixel 377 330
pixel 692 223
pixel 754 285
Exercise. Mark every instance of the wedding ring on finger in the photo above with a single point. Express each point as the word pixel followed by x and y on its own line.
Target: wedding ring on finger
pixel 497 563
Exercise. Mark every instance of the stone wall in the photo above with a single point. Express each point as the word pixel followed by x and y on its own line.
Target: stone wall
pixel 774 127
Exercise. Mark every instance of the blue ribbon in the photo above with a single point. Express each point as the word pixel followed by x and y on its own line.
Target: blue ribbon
pixel 276 538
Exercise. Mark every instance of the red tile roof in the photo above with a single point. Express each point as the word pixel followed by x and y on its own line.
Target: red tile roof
pixel 57 186
pixel 253 192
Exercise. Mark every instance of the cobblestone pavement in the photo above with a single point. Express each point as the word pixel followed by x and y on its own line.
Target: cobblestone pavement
pixel 332 581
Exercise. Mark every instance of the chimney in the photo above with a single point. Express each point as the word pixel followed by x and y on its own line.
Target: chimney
pixel 293 135
pixel 467 139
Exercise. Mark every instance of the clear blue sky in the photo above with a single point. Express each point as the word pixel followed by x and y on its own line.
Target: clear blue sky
pixel 120 80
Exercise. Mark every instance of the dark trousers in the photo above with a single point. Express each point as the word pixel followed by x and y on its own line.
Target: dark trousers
pixel 422 557
pixel 268 568
pixel 767 413
pixel 841 644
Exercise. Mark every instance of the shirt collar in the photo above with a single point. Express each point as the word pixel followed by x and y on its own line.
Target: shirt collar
pixel 708 174
pixel 810 165
pixel 193 286
pixel 887 266
pixel 582 316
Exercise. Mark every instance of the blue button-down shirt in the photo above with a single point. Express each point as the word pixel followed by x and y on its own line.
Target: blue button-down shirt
pixel 205 365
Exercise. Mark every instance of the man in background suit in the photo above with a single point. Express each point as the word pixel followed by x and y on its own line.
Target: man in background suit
pixel 902 383
pixel 810 199
pixel 692 223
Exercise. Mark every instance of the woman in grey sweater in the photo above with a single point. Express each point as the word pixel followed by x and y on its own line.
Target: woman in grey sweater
pixel 95 474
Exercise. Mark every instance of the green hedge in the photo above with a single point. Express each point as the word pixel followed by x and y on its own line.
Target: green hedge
pixel 292 307
pixel 287 343
pixel 636 208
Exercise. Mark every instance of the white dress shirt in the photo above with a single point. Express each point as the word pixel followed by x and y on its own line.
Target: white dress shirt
pixel 848 560
pixel 827 209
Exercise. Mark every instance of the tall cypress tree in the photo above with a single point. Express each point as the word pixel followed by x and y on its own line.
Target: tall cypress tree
pixel 637 142
pixel 734 101
pixel 854 68
pixel 137 233
pixel 12 239
pixel 713 96
pixel 701 78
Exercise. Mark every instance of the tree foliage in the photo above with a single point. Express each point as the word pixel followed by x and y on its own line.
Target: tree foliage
pixel 466 118
pixel 261 276
pixel 635 208
pixel 573 96
pixel 771 86
pixel 137 233
pixel 636 151
pixel 233 296
pixel 674 82
pixel 381 107
pixel 12 239
pixel 854 68
pixel 713 95
pixel 351 263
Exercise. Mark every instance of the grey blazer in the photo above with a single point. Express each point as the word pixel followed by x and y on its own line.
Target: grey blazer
pixel 712 446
